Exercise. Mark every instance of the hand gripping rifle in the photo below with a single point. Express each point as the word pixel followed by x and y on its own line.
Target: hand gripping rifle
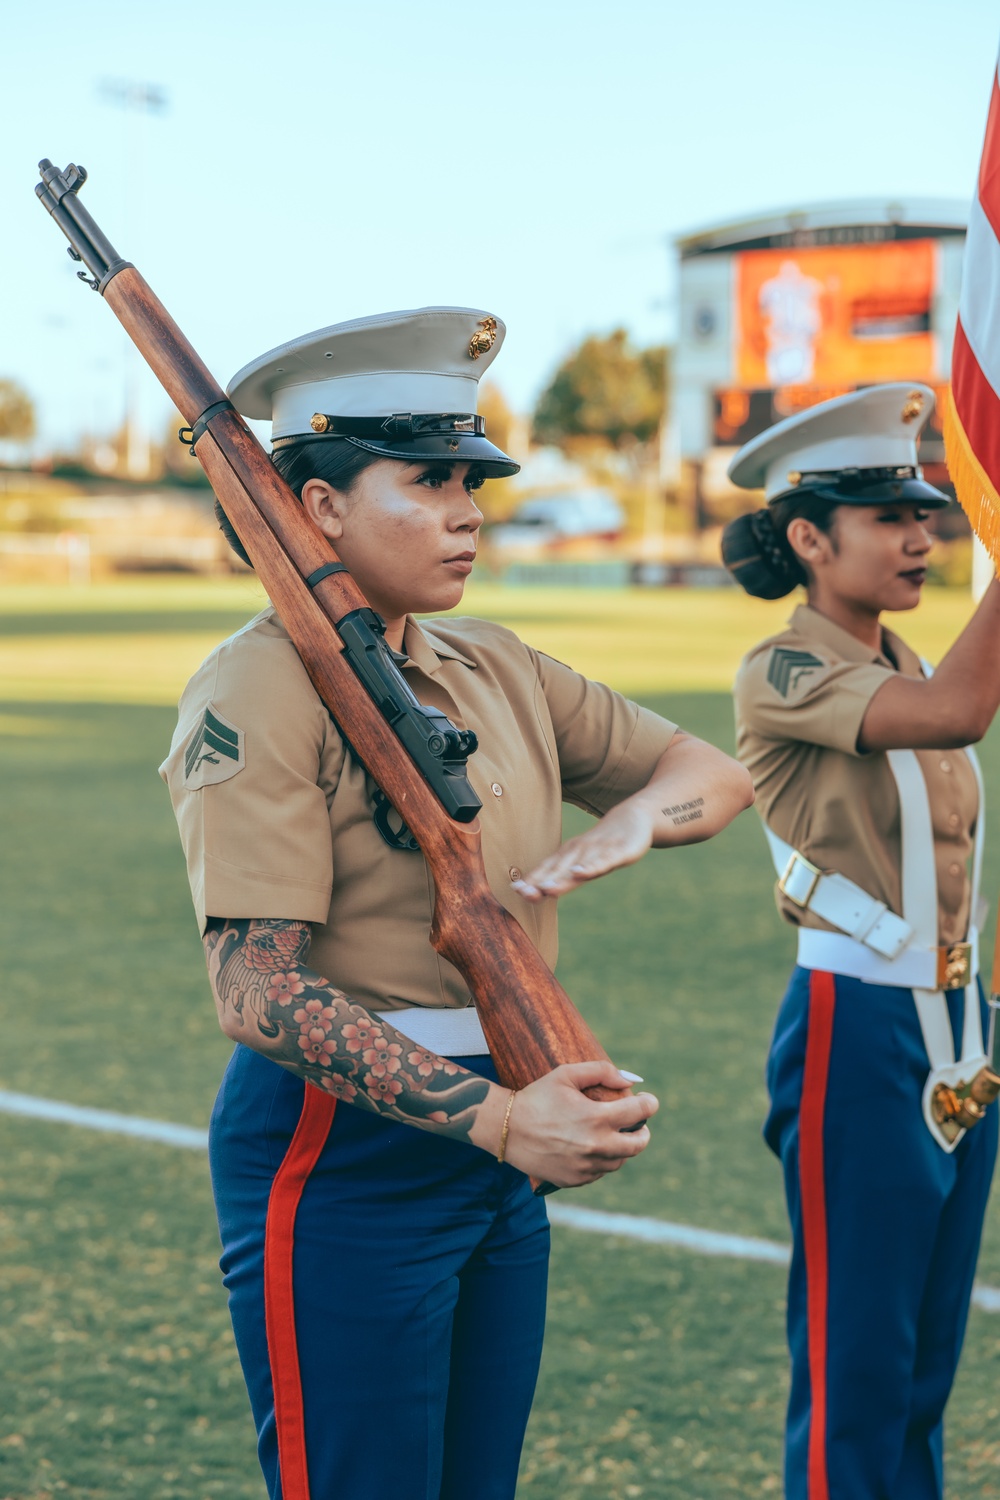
pixel 530 1023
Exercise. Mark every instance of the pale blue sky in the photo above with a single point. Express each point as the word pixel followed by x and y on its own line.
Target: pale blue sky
pixel 322 162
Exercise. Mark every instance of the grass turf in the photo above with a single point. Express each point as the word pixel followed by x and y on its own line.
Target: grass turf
pixel 139 642
pixel 664 1373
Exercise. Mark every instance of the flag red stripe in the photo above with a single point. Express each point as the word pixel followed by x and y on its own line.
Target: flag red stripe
pixel 822 996
pixel 279 1289
pixel 989 166
pixel 977 404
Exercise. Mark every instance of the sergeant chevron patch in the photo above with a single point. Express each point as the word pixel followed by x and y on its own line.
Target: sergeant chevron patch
pixel 214 752
pixel 786 668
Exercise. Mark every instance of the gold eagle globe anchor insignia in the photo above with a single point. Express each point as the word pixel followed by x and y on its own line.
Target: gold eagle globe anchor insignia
pixel 912 407
pixel 484 338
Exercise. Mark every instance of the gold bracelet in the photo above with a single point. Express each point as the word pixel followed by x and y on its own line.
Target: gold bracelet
pixel 506 1126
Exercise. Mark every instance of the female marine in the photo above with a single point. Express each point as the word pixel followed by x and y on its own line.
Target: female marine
pixel 872 803
pixel 384 1254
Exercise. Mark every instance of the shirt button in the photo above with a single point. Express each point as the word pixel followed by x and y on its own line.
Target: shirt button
pixel 954 820
pixel 946 765
pixel 514 873
pixel 954 869
pixel 496 789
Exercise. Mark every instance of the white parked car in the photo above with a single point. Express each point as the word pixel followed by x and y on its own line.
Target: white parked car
pixel 554 518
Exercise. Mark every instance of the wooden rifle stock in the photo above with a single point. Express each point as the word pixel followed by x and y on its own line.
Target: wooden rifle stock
pixel 529 1021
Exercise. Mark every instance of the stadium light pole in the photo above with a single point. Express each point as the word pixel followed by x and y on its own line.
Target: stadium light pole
pixel 139 101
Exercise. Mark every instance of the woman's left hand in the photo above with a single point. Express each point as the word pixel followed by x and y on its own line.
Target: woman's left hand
pixel 694 791
pixel 622 837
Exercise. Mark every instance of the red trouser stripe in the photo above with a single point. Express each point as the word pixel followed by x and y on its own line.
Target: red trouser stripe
pixel 279 1288
pixel 822 996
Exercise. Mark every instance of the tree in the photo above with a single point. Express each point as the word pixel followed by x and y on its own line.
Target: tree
pixel 496 497
pixel 499 417
pixel 606 390
pixel 17 413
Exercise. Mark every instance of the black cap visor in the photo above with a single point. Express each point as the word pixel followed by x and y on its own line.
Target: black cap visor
pixel 869 487
pixel 464 448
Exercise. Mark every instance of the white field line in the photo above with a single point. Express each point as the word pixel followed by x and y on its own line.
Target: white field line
pixel 661 1232
pixel 103 1119
pixel 589 1220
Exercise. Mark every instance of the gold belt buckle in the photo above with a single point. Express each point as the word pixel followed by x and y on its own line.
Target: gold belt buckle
pixel 814 873
pixel 954 966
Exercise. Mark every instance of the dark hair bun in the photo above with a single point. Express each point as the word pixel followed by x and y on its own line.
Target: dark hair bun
pixel 758 557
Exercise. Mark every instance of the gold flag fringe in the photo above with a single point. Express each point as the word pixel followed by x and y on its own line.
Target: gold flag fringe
pixel 976 492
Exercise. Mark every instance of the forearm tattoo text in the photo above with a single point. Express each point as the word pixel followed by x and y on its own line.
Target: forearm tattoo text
pixel 302 1021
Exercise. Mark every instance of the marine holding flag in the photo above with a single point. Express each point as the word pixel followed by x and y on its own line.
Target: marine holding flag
pixel 872 804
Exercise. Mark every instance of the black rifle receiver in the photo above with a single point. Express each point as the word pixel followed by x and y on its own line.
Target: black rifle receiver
pixel 436 747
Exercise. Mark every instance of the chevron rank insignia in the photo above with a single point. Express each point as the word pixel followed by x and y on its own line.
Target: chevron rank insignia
pixel 787 668
pixel 214 752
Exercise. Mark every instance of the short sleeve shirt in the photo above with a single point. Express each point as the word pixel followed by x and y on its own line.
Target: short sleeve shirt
pixel 276 817
pixel 800 700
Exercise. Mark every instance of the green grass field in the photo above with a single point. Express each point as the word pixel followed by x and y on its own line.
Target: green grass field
pixel 664 1373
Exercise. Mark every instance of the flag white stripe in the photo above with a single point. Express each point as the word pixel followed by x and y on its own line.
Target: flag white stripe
pixel 979 305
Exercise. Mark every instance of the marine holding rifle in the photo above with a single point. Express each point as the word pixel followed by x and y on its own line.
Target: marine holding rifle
pixel 878 1075
pixel 384 1254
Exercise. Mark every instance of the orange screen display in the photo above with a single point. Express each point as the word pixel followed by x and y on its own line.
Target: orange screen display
pixel 836 316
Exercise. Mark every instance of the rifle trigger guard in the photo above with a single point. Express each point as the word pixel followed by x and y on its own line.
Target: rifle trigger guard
pixel 189 435
pixel 396 838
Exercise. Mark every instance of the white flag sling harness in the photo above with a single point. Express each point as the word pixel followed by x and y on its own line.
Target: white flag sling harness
pixel 876 945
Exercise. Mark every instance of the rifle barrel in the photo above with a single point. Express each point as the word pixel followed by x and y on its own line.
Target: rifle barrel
pixel 530 1023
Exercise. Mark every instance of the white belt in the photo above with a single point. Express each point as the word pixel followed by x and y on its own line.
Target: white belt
pixel 449 1033
pixel 838 901
pixel 914 969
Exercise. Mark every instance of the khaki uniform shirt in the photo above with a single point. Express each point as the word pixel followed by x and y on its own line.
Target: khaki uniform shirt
pixel 800 699
pixel 276 817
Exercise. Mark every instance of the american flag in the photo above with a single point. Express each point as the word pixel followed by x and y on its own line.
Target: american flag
pixel 972 408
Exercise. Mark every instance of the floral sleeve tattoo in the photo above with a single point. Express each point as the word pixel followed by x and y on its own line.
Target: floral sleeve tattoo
pixel 302 1021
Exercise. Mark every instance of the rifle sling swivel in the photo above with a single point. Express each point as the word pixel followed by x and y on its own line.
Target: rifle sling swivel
pixel 324 572
pixel 189 435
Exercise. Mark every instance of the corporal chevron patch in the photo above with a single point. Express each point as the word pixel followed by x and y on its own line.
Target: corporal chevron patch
pixel 214 752
pixel 787 668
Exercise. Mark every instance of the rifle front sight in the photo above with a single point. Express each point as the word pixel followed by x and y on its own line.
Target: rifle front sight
pixel 57 191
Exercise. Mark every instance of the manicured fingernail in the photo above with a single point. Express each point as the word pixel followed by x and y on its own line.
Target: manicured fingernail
pixel 632 1077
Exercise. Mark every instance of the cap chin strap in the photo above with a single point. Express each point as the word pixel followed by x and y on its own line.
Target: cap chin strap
pixel 847 482
pixel 861 479
pixel 401 427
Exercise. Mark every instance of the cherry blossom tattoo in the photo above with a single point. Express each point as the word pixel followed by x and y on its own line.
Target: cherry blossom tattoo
pixel 302 1021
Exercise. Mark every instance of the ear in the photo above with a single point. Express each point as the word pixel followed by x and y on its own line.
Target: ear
pixel 806 540
pixel 325 507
